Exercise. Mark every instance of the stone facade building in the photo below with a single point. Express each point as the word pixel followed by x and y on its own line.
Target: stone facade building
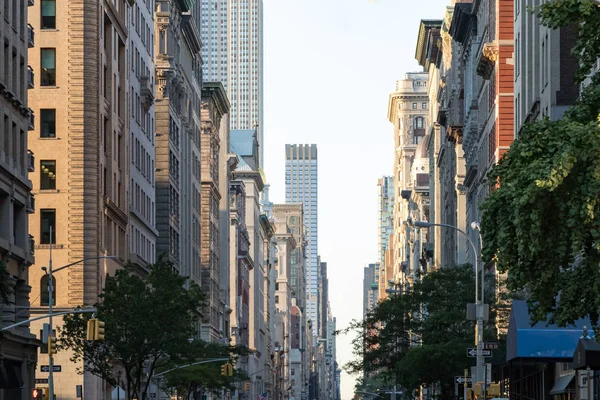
pixel 83 144
pixel 214 107
pixel 19 345
pixel 244 144
pixel 408 111
pixel 294 215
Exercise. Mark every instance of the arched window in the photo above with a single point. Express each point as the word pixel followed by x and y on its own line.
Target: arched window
pixel 419 123
pixel 44 293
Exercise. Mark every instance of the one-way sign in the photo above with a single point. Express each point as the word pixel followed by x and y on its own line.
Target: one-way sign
pixel 55 368
pixel 472 352
pixel 461 379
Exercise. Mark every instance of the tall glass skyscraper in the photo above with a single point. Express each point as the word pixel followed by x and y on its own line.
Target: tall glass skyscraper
pixel 301 178
pixel 232 51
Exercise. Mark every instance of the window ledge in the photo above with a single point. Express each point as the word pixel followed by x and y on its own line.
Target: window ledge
pixel 49 191
pixel 49 138
pixel 49 87
pixel 49 29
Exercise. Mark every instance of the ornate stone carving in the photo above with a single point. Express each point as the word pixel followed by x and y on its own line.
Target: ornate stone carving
pixel 487 60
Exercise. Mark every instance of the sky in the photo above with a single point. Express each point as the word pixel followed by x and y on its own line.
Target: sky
pixel 330 66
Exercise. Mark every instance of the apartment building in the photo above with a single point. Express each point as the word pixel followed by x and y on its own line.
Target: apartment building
pixel 214 109
pixel 82 142
pixel 142 194
pixel 178 160
pixel 408 111
pixel 17 246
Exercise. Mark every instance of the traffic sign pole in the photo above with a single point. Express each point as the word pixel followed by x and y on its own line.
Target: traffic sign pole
pixel 465 384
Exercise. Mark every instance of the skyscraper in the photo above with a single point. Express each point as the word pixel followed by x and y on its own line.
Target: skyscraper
pixel 385 215
pixel 301 187
pixel 231 33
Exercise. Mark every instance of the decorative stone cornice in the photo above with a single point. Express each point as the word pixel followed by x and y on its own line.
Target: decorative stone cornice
pixel 454 133
pixel 487 60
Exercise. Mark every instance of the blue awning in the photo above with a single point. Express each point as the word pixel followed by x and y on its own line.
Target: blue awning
pixel 542 340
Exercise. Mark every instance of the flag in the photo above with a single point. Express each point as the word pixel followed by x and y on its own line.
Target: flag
pixel 263 396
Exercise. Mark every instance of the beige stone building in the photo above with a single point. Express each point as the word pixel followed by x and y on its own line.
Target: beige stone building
pixel 285 243
pixel 19 345
pixel 82 109
pixel 408 111
pixel 214 108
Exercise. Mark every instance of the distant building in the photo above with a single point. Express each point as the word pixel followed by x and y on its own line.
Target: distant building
pixel 232 38
pixel 370 294
pixel 408 111
pixel 301 186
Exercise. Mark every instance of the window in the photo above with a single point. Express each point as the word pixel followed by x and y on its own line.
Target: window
pixel 424 106
pixel 48 220
pixel 48 14
pixel 418 123
pixel 414 106
pixel 48 123
pixel 44 293
pixel 48 67
pixel 48 174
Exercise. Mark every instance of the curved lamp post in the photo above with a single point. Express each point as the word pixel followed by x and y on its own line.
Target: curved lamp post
pixel 479 306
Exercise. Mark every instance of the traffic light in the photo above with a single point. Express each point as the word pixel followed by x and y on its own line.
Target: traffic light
pixel 95 329
pixel 99 332
pixel 40 394
pixel 91 328
pixel 229 369
pixel 52 345
pixel 246 386
pixel 224 369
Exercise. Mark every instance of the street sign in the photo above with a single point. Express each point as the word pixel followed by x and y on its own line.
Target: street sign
pixel 461 379
pixel 41 381
pixel 472 352
pixel 55 368
pixel 491 345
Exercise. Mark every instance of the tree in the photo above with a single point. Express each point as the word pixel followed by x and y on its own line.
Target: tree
pixel 148 322
pixel 421 336
pixel 540 223
pixel 192 380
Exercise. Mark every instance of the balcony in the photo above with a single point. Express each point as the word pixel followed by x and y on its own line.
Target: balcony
pixel 31 245
pixel 30 77
pixel 30 36
pixel 31 120
pixel 30 161
pixel 30 204
pixel 146 92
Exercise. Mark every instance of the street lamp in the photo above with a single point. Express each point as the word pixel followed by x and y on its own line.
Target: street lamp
pixel 50 271
pixel 479 303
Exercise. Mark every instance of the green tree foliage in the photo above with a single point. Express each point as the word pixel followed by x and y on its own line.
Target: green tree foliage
pixel 149 323
pixel 192 381
pixel 421 336
pixel 540 224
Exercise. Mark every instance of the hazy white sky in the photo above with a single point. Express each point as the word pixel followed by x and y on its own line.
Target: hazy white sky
pixel 330 66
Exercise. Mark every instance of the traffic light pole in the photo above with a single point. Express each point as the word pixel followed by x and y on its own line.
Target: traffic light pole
pixel 51 303
pixel 50 330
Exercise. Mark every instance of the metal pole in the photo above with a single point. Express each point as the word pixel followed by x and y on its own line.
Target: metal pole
pixel 465 384
pixel 51 333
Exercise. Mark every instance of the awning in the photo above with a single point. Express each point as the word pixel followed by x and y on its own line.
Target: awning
pixel 542 341
pixel 561 384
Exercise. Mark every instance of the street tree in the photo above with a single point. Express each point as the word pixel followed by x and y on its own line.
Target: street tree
pixel 540 224
pixel 420 336
pixel 192 381
pixel 148 325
